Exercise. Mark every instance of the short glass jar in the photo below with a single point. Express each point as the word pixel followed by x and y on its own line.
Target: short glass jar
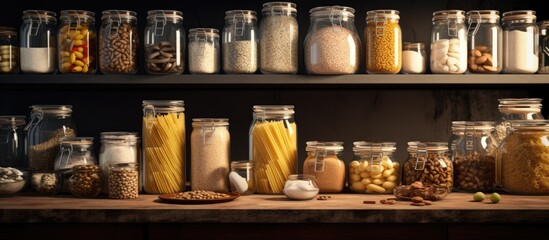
pixel 383 41
pixel 12 142
pixel 520 42
pixel 204 51
pixel 75 151
pixel 77 42
pixel 240 42
pixel 123 180
pixel 413 58
pixel 38 45
pixel 484 41
pixel 85 181
pixel 164 42
pixel 325 162
pixel 301 187
pixel 374 168
pixel 118 42
pixel 428 163
pixel 543 46
pixel 449 42
pixel 9 50
pixel 242 178
pixel 47 182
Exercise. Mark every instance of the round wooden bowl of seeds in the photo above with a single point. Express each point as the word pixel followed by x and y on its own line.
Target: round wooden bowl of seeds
pixel 198 197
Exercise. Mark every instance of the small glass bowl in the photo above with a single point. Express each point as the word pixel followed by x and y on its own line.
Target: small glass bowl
pixel 301 187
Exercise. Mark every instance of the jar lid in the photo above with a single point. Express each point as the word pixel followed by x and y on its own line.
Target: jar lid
pixel 332 146
pixel 198 122
pixel 41 14
pixel 481 14
pixel 121 137
pixel 364 146
pixel 92 168
pixel 79 141
pixel 16 120
pixel 79 14
pixel 52 109
pixel 173 14
pixel 543 24
pixel 279 6
pixel 383 13
pixel 538 125
pixel 519 14
pixel 448 14
pixel 460 126
pixel 412 146
pixel 246 164
pixel 432 146
pixel 333 11
pixel 194 32
pixel 164 106
pixel 274 109
pixel 420 45
pixel 122 14
pixel 240 14
pixel 8 31
pixel 519 104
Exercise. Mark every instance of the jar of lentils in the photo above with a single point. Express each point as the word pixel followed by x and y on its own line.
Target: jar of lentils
pixel 428 162
pixel 85 181
pixel 383 41
pixel 118 42
pixel 164 42
pixel 203 51
pixel 77 40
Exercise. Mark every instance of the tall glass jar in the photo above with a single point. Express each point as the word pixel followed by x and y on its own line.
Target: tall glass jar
pixel 374 168
pixel 210 154
pixel 38 41
pixel 118 42
pixel 47 126
pixel 332 45
pixel 524 156
pixel 240 40
pixel 163 146
pixel 428 162
pixel 204 51
pixel 273 146
pixel 413 58
pixel 279 38
pixel 520 42
pixel 164 42
pixel 383 41
pixel 515 109
pixel 543 46
pixel 118 148
pixel 484 40
pixel 77 42
pixel 12 149
pixel 449 42
pixel 325 162
pixel 9 50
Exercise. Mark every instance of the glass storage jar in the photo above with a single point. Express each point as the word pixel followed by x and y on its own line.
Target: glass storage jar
pixel 332 45
pixel 210 154
pixel 515 109
pixel 301 187
pixel 38 41
pixel 413 57
pixel 240 40
pixel 428 163
pixel 118 42
pixel 12 149
pixel 374 168
pixel 543 46
pixel 74 151
pixel 77 42
pixel 279 32
pixel 242 178
pixel 47 126
pixel 449 42
pixel 325 162
pixel 123 180
pixel 164 42
pixel 383 41
pixel 273 146
pixel 46 182
pixel 85 181
pixel 520 42
pixel 484 40
pixel 163 146
pixel 203 51
pixel 9 50
pixel 524 157
pixel 117 148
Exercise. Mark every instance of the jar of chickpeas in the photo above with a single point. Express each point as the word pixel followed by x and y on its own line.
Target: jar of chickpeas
pixel 77 41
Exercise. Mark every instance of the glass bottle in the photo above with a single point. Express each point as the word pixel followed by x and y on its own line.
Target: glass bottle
pixel 242 178
pixel 164 42
pixel 204 51
pixel 325 162
pixel 9 50
pixel 515 109
pixel 374 168
pixel 38 41
pixel 520 42
pixel 273 137
pixel 240 40
pixel 428 162
pixel 332 45
pixel 12 149
pixel 449 42
pixel 118 42
pixel 163 146
pixel 118 148
pixel 484 40
pixel 383 41
pixel 123 180
pixel 413 57
pixel 543 46
pixel 279 38
pixel 85 181
pixel 210 154
pixel 77 42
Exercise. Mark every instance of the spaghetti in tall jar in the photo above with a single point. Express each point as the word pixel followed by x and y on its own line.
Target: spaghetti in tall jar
pixel 273 147
pixel 163 146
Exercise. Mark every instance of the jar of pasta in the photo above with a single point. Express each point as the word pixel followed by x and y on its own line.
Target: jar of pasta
pixel 374 168
pixel 383 41
pixel 163 146
pixel 325 162
pixel 428 163
pixel 77 40
pixel 449 42
pixel 273 146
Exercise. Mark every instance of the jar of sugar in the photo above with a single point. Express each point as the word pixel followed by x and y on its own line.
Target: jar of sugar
pixel 449 42
pixel 520 42
pixel 38 45
pixel 484 38
pixel 413 57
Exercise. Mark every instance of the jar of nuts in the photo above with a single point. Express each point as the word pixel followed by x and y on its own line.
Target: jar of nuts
pixel 383 41
pixel 428 162
pixel 324 161
pixel 374 168
pixel 484 42
pixel 85 181
pixel 118 42
pixel 164 42
pixel 77 41
pixel 449 42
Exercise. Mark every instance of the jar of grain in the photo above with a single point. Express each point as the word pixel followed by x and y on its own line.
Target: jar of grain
pixel 520 42
pixel 38 45
pixel 524 157
pixel 47 126
pixel 210 154
pixel 413 57
pixel 242 178
pixel 484 40
pixel 9 50
pixel 449 42
pixel 515 109
pixel 332 45
pixel 474 157
pixel 279 38
pixel 12 149
pixel 543 46
pixel 117 148
pixel 240 42
pixel 273 146
pixel 324 161
pixel 374 168
pixel 203 51
pixel 383 41
pixel 118 42
pixel 85 181
pixel 123 180
pixel 428 162
pixel 164 42
pixel 163 146
pixel 77 42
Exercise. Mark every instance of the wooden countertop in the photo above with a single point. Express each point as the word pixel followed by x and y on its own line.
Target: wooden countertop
pixel 340 208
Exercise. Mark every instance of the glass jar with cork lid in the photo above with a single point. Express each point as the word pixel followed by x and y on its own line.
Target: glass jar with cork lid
pixel 383 41
pixel 374 168
pixel 325 162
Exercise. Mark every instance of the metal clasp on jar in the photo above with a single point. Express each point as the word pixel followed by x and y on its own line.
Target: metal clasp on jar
pixel 320 155
pixel 375 158
pixel 159 24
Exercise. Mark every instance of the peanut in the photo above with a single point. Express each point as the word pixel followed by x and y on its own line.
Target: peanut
pixel 481 61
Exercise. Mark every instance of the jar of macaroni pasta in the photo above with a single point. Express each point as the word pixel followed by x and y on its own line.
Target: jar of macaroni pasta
pixel 520 42
pixel 273 146
pixel 163 146
pixel 38 38
pixel 118 42
pixel 383 41
pixel 240 42
pixel 449 42
pixel 164 42
pixel 325 162
pixel 204 51
pixel 484 41
pixel 428 163
pixel 543 46
pixel 374 168
pixel 77 42
pixel 9 50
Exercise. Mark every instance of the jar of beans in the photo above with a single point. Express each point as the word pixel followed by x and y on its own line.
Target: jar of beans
pixel 85 181
pixel 123 179
pixel 164 42
pixel 38 41
pixel 374 168
pixel 118 42
pixel 383 41
pixel 449 42
pixel 485 42
pixel 240 42
pixel 77 42
pixel 325 162
pixel 9 50
pixel 428 163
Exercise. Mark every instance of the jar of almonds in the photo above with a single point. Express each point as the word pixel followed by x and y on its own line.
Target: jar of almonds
pixel 374 168
pixel 428 162
pixel 85 181
pixel 485 42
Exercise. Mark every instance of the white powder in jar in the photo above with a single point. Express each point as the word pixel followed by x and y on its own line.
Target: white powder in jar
pixel 520 53
pixel 38 60
pixel 210 158
pixel 203 57
pixel 412 62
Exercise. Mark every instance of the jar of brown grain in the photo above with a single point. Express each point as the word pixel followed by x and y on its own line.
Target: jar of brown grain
pixel 324 161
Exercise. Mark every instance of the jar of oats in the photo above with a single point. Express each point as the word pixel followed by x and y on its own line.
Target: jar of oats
pixel 325 162
pixel 374 168
pixel 383 41
pixel 428 162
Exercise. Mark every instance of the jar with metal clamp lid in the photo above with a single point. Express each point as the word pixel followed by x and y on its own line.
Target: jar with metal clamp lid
pixel 118 42
pixel 9 50
pixel 325 162
pixel 520 41
pixel 374 168
pixel 449 42
pixel 73 151
pixel 383 41
pixel 77 42
pixel 240 42
pixel 204 51
pixel 38 41
pixel 164 42
pixel 484 41
pixel 511 109
pixel 543 46
pixel 428 163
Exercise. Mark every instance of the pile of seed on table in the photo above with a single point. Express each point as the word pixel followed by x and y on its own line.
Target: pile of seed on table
pixel 200 195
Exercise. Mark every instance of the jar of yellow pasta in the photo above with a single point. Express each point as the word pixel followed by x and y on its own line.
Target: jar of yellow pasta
pixel 273 147
pixel 163 146
pixel 77 42
pixel 525 158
